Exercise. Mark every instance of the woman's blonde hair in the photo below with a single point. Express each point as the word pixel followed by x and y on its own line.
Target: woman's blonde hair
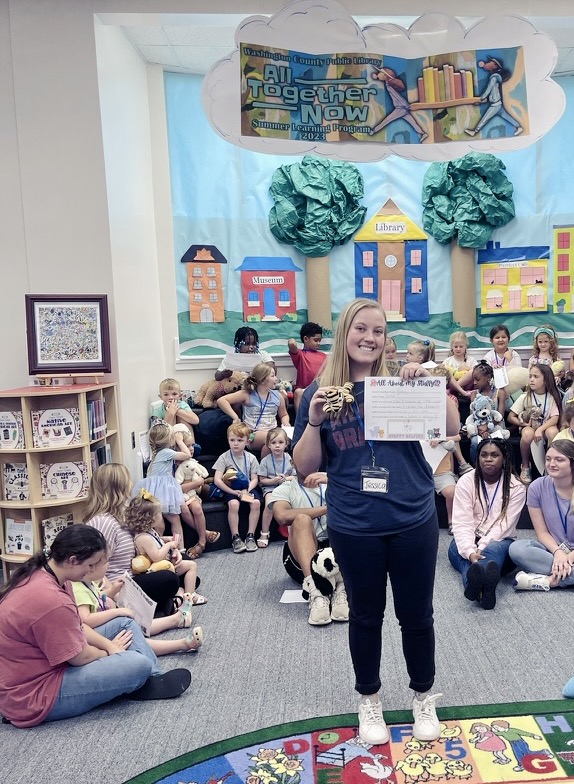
pixel 336 370
pixel 140 513
pixel 110 487
pixel 258 375
pixel 458 337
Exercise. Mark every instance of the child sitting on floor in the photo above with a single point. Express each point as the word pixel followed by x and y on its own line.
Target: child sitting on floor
pixel 141 515
pixel 96 606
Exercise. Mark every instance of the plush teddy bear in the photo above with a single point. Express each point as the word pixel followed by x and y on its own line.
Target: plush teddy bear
pixel 325 572
pixel 211 391
pixel 482 412
pixel 532 416
pixel 188 471
pixel 142 564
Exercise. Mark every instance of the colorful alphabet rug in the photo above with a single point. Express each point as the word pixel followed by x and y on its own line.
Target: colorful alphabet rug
pixel 517 742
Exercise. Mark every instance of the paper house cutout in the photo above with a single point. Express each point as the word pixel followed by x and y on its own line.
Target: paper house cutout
pixel 391 264
pixel 563 269
pixel 205 283
pixel 268 288
pixel 513 279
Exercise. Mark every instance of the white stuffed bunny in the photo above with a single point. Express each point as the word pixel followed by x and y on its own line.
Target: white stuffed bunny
pixel 188 471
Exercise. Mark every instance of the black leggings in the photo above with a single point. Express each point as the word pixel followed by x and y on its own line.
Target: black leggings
pixel 161 587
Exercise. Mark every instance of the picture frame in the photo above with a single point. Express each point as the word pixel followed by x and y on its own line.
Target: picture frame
pixel 68 333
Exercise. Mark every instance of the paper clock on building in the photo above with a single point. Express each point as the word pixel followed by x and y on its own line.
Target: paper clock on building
pixel 513 280
pixel 268 288
pixel 205 283
pixel 391 264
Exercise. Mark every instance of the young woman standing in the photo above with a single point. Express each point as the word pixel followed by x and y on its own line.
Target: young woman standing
pixel 376 535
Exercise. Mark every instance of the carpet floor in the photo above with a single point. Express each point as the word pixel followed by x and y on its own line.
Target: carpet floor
pixel 521 742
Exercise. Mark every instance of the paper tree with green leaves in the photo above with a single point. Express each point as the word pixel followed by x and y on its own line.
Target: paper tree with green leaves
pixel 464 201
pixel 316 206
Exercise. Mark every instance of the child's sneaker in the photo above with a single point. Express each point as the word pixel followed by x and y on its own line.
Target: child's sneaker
pixel 372 727
pixel 426 724
pixel 250 544
pixel 528 581
pixel 238 544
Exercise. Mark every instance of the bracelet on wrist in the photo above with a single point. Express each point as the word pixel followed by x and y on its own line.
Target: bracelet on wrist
pixel 312 425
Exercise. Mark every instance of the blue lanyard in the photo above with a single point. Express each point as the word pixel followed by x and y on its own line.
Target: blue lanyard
pixel 538 404
pixel 275 467
pixel 309 497
pixel 100 598
pixel 262 407
pixel 362 424
pixel 563 516
pixel 244 463
pixel 490 501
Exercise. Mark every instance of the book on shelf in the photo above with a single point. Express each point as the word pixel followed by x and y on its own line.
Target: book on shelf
pixel 18 537
pixel 64 480
pixel 11 430
pixel 15 480
pixel 100 455
pixel 97 419
pixel 56 427
pixel 52 526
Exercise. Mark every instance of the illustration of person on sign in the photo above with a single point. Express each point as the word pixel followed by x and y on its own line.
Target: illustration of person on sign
pixel 401 107
pixel 492 94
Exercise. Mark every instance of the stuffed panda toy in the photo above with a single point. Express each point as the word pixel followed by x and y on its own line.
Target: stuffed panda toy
pixel 325 572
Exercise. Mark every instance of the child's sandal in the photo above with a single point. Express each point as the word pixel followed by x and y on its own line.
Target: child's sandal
pixel 197 599
pixel 211 537
pixel 195 639
pixel 195 551
pixel 263 540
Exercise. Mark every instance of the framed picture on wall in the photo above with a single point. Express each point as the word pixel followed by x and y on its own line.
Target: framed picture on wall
pixel 68 333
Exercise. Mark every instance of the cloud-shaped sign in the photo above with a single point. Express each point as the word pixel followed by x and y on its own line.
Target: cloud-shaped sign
pixel 310 80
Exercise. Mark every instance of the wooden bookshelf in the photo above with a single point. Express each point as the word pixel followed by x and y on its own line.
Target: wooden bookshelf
pixel 55 452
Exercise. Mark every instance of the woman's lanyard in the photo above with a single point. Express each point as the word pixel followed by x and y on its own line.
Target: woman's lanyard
pixel 362 425
pixel 246 472
pixel 538 403
pixel 563 515
pixel 100 598
pixel 275 467
pixel 489 505
pixel 309 497
pixel 262 407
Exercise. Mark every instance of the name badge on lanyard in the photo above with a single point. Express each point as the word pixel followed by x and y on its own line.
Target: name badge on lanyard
pixel 374 478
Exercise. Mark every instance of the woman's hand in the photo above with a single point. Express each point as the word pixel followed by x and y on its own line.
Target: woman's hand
pixel 538 434
pixel 412 370
pixel 476 556
pixel 316 414
pixel 561 566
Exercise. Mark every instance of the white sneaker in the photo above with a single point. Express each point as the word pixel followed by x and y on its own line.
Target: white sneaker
pixel 426 724
pixel 372 727
pixel 528 581
pixel 339 604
